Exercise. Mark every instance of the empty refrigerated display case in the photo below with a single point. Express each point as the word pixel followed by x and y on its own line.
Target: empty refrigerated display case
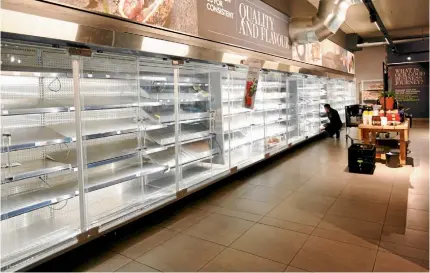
pixel 93 138
pixel 274 115
pixel 309 95
pixel 296 132
pixel 341 93
pixel 39 195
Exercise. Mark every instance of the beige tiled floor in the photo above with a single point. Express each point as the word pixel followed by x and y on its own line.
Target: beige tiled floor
pixel 298 212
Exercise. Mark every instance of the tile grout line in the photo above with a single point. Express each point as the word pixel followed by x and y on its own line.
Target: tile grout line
pixel 229 245
pixel 337 198
pixel 257 222
pixel 225 247
pixel 286 228
pixel 177 233
pixel 310 235
pixel 293 191
pixel 132 260
pixel 383 224
pixel 210 260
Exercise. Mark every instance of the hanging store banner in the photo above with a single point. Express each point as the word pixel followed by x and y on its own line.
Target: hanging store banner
pixel 247 23
pixel 251 83
pixel 410 82
pixel 250 24
pixel 336 57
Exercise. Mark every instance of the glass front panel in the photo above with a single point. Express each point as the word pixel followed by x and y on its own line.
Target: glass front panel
pixel 157 140
pixel 273 92
pixel 339 95
pixel 195 117
pixel 147 129
pixel 323 100
pixel 311 96
pixel 39 204
pixel 237 119
pixel 111 131
pixel 295 109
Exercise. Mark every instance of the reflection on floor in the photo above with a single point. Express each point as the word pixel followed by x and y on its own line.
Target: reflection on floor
pixel 297 212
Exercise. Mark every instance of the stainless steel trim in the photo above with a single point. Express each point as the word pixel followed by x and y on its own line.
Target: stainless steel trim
pixel 79 144
pixel 177 127
pixel 66 24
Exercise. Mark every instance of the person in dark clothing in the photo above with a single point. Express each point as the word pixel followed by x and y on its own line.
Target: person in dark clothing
pixel 335 123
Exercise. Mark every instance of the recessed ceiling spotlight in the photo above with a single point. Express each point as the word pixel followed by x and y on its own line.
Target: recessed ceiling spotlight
pixel 409 58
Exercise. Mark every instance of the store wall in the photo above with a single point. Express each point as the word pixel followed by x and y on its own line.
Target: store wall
pixel 368 65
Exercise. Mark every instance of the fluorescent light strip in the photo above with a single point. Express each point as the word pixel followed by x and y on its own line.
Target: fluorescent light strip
pixel 376 23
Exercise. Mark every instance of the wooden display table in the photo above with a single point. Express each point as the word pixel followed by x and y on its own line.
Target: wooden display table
pixel 367 133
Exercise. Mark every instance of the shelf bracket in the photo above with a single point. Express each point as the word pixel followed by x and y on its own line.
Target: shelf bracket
pixel 76 51
pixel 177 62
pixel 87 235
pixel 182 193
pixel 231 67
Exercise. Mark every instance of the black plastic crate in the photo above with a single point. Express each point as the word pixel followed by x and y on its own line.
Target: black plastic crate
pixel 362 152
pixel 364 167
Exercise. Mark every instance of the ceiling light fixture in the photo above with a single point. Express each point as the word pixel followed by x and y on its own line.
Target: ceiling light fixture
pixel 409 58
pixel 376 23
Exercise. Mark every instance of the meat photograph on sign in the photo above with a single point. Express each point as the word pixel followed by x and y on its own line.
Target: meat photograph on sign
pixel 172 14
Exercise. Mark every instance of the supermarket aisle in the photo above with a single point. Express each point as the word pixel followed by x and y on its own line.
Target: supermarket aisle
pixel 298 212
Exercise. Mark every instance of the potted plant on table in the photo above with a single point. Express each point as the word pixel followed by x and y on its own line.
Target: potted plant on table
pixel 388 98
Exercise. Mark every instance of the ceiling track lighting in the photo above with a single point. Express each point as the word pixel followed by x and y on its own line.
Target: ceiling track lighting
pixel 374 18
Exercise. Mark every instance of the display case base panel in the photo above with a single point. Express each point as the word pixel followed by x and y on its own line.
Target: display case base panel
pixel 111 202
pixel 41 235
pixel 198 173
pixel 247 154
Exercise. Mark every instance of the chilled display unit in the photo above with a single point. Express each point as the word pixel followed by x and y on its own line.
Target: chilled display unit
pixel 91 142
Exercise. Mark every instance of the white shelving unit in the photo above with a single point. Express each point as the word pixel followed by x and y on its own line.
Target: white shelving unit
pixel 91 142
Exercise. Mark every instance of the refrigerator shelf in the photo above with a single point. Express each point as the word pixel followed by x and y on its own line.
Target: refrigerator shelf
pixel 33 137
pixel 41 106
pixel 270 107
pixel 237 127
pixel 244 126
pixel 191 152
pixel 26 138
pixel 105 177
pixel 99 154
pixel 105 128
pixel 29 106
pixel 234 110
pixel 166 136
pixel 167 98
pixel 152 147
pixel 31 169
pixel 33 71
pixel 167 116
